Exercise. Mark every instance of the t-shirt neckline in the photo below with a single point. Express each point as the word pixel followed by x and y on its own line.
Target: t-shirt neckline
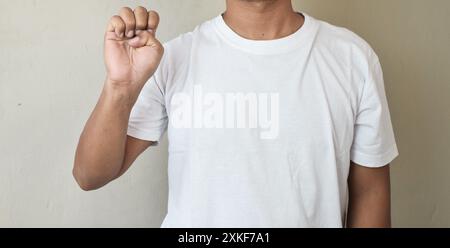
pixel 265 47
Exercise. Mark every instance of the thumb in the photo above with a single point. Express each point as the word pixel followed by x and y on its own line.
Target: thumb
pixel 144 38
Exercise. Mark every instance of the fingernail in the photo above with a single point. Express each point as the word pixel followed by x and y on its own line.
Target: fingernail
pixel 130 34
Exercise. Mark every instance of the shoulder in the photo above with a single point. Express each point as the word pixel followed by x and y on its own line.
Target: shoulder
pixel 176 55
pixel 344 43
pixel 178 52
pixel 180 41
pixel 179 49
pixel 204 31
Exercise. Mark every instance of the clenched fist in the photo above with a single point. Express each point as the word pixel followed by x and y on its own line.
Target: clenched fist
pixel 132 52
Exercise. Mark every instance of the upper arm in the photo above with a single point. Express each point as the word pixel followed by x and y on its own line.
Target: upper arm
pixel 369 197
pixel 148 120
pixel 372 150
pixel 364 179
pixel 374 142
pixel 134 148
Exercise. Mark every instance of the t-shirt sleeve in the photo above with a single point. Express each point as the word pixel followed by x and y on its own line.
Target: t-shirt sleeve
pixel 374 141
pixel 148 120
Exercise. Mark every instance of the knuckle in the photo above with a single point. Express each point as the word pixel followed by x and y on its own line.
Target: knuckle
pixel 153 14
pixel 125 10
pixel 115 18
pixel 140 9
pixel 153 19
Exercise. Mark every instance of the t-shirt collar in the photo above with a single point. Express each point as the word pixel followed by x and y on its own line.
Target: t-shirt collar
pixel 265 47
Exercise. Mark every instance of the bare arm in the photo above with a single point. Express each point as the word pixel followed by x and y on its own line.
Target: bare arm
pixel 370 197
pixel 105 152
pixel 132 54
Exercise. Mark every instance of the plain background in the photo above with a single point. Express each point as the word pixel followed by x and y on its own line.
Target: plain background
pixel 51 73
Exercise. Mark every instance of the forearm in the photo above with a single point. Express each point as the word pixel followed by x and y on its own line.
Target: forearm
pixel 101 150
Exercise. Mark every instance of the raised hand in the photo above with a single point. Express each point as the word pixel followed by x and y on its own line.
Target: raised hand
pixel 132 52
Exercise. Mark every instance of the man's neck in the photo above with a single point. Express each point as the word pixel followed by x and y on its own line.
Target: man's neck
pixel 262 19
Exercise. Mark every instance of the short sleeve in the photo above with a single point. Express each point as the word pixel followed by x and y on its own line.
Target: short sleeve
pixel 148 120
pixel 374 142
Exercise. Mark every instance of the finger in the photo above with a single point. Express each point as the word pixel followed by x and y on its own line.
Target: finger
pixel 117 25
pixel 144 38
pixel 141 15
pixel 127 16
pixel 153 21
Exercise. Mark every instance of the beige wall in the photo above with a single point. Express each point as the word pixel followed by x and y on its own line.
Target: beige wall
pixel 412 38
pixel 51 73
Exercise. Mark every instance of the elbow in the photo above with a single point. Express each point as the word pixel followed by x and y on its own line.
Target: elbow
pixel 84 182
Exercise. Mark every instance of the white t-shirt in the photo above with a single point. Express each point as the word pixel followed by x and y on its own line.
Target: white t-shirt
pixel 261 133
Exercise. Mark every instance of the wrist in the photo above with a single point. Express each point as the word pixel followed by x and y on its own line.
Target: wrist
pixel 124 93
